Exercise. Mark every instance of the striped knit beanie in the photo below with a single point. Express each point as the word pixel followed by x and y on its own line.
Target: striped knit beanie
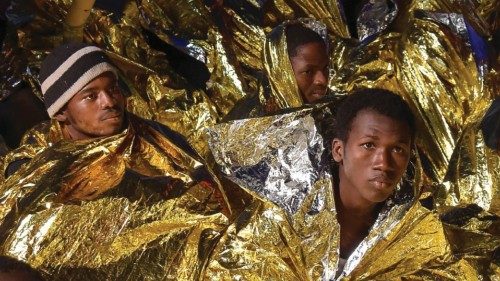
pixel 67 69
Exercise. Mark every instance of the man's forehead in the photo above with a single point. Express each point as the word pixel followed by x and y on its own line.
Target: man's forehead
pixel 311 53
pixel 370 123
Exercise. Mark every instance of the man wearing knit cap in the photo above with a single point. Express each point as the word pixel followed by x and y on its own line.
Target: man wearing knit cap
pixel 80 90
pixel 104 194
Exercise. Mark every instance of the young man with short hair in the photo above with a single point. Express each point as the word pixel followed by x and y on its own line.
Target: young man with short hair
pixel 374 137
pixel 364 222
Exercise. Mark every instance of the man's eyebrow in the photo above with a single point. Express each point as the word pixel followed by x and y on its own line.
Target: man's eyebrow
pixel 86 90
pixel 370 136
pixel 400 140
pixel 316 65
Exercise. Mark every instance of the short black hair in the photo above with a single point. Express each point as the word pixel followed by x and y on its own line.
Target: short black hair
pixel 8 264
pixel 490 125
pixel 297 35
pixel 381 101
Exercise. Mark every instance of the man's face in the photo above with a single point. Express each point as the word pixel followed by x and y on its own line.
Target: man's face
pixel 374 158
pixel 97 110
pixel 310 67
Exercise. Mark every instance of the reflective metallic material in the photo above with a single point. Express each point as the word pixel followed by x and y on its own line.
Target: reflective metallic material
pixel 327 11
pixel 481 14
pixel 272 167
pixel 290 231
pixel 157 91
pixel 136 205
pixel 435 65
pixel 450 105
pixel 421 49
pixel 374 17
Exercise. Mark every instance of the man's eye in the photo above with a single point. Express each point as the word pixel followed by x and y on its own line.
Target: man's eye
pixel 368 145
pixel 307 72
pixel 398 149
pixel 91 96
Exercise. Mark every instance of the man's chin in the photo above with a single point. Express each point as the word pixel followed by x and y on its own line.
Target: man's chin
pixel 112 130
pixel 314 97
pixel 378 196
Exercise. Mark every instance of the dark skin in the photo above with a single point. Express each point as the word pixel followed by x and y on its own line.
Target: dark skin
pixel 310 66
pixel 372 162
pixel 97 110
pixel 16 275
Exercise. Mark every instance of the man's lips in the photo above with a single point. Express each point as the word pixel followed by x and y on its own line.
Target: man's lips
pixel 382 182
pixel 316 95
pixel 111 116
pixel 319 92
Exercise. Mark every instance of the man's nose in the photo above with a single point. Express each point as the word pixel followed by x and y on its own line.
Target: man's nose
pixel 107 99
pixel 320 78
pixel 383 161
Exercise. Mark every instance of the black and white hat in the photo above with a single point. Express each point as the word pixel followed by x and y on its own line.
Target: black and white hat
pixel 67 69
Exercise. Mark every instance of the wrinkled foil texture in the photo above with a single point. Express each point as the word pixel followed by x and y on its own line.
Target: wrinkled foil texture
pixel 135 205
pixel 271 167
pixel 432 65
pixel 450 105
pixel 290 231
pixel 374 18
pixel 424 53
pixel 157 91
pixel 328 11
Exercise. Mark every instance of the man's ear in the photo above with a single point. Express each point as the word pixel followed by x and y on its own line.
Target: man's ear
pixel 61 116
pixel 337 150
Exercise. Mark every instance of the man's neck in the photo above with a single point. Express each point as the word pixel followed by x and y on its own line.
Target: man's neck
pixel 355 216
pixel 352 203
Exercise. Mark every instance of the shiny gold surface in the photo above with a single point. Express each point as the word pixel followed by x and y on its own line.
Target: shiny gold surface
pixel 481 14
pixel 226 85
pixel 290 231
pixel 186 18
pixel 284 90
pixel 450 105
pixel 135 205
pixel 157 91
pixel 372 65
pixel 431 63
pixel 425 55
pixel 327 11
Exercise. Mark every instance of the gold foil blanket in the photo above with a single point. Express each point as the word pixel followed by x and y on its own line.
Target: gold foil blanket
pixel 290 231
pixel 421 49
pixel 135 205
